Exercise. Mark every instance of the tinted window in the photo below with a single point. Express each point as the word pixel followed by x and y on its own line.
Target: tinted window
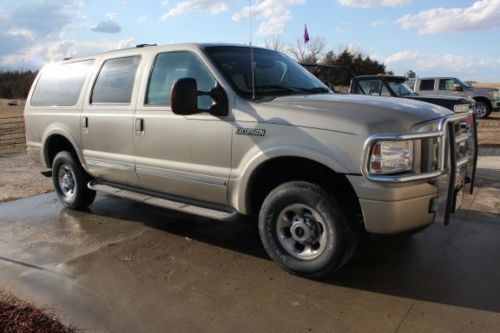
pixel 168 68
pixel 115 81
pixel 427 85
pixel 60 85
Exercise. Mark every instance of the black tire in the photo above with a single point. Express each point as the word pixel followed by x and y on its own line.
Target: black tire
pixel 70 182
pixel 320 212
pixel 482 109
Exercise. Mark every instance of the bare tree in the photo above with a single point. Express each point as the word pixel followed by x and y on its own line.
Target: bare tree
pixel 307 52
pixel 275 43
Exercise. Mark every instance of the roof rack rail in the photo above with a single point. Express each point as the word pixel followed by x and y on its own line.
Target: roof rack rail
pixel 67 58
pixel 144 45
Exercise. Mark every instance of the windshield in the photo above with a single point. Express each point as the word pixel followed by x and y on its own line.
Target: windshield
pixel 275 74
pixel 401 88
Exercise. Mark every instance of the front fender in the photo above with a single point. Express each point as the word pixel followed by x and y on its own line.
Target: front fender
pixel 339 152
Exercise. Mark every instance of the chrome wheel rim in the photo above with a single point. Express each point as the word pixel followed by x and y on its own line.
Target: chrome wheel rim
pixel 66 180
pixel 302 231
pixel 481 110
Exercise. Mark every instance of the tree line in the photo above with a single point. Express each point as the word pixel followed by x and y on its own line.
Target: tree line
pixel 341 65
pixel 16 84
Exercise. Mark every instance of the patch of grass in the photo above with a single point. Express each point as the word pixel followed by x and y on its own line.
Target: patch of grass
pixel 20 317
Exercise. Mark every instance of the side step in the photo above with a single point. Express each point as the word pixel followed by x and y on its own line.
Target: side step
pixel 159 201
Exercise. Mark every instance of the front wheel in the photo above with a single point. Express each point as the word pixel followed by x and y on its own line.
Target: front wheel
pixel 70 182
pixel 303 229
pixel 482 110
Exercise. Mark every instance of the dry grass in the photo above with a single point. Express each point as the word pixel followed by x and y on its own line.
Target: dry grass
pixel 486 85
pixel 12 137
pixel 21 317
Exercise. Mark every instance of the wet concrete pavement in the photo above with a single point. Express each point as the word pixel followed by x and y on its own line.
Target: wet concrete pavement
pixel 128 267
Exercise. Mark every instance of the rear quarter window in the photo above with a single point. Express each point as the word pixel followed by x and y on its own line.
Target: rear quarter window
pixel 60 85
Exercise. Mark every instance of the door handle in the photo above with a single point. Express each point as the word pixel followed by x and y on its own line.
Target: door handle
pixel 139 126
pixel 85 124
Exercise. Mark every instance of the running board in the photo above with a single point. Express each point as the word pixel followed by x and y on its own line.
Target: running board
pixel 162 202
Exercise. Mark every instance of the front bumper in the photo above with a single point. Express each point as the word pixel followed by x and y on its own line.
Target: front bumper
pixel 495 105
pixel 394 208
pixel 397 203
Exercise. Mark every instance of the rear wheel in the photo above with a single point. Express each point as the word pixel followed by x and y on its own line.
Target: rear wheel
pixel 70 182
pixel 482 110
pixel 303 229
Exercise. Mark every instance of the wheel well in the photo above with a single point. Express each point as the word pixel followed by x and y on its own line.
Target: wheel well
pixel 55 144
pixel 483 99
pixel 277 171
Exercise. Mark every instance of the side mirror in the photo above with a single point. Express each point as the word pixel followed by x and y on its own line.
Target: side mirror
pixel 184 97
pixel 457 87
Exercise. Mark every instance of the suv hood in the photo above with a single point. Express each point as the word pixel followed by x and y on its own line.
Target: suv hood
pixel 355 114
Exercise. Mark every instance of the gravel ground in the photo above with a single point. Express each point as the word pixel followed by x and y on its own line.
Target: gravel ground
pixel 20 177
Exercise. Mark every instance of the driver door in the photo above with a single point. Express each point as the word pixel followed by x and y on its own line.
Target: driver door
pixel 186 156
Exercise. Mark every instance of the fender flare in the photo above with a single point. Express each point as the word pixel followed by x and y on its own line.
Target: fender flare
pixel 62 130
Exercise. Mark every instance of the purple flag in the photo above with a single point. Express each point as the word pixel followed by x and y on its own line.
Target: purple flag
pixel 306 35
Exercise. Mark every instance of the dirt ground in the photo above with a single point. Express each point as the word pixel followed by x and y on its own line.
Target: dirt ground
pixel 20 177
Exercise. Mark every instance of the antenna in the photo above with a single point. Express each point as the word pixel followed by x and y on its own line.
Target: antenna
pixel 251 50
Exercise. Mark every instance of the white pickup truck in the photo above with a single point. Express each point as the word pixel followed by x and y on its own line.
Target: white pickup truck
pixel 487 99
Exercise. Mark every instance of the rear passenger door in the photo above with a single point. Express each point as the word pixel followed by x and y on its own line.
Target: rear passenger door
pixel 427 87
pixel 107 121
pixel 186 156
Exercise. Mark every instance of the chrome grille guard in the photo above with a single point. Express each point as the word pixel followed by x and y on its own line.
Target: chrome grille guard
pixel 445 130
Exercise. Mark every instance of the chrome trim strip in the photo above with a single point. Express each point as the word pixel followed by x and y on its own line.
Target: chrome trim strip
pixel 109 164
pixel 152 171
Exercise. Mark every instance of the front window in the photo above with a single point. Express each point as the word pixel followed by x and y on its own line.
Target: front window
pixel 172 66
pixel 452 84
pixel 274 73
pixel 401 88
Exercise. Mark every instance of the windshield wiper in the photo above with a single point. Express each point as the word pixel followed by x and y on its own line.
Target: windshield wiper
pixel 315 90
pixel 275 87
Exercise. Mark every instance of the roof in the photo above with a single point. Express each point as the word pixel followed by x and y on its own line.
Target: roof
pixel 145 47
pixel 378 76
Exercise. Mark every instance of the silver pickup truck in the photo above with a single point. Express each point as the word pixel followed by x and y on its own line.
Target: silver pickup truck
pixel 487 99
pixel 222 131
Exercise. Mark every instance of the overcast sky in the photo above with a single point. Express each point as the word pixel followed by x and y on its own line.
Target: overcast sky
pixel 438 37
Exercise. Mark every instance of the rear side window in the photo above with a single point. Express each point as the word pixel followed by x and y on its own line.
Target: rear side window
pixel 60 85
pixel 115 81
pixel 427 85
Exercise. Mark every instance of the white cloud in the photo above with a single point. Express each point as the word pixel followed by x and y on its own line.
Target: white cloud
pixel 21 32
pixel 41 53
pixel 373 3
pixel 274 14
pixel 188 6
pixel 425 64
pixel 481 15
pixel 109 25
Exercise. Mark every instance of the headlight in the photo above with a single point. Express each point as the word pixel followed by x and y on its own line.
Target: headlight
pixel 496 94
pixel 461 108
pixel 391 157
